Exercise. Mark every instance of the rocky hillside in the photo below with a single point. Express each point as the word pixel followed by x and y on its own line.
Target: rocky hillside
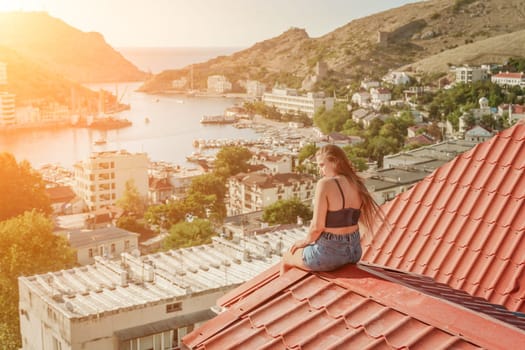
pixel 64 50
pixel 370 46
pixel 30 81
pixel 495 49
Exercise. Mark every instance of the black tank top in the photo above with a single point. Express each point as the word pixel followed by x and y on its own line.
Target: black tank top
pixel 344 216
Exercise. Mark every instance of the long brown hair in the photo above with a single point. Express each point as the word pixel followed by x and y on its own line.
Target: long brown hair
pixel 370 209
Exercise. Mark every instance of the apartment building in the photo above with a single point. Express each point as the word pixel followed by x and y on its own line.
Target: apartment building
pixel 255 88
pixel 141 302
pixel 3 76
pixel 469 75
pixel 289 101
pixel 101 179
pixel 255 191
pixel 218 84
pixel 7 109
pixel 275 163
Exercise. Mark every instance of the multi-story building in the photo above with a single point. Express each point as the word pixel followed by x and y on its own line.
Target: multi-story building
pixel 108 242
pixel 3 76
pixel 101 179
pixel 218 84
pixel 288 101
pixel 255 191
pixel 179 84
pixel 275 163
pixel 469 75
pixel 397 78
pixel 255 88
pixel 7 109
pixel 379 96
pixel 141 302
pixel 361 98
pixel 509 79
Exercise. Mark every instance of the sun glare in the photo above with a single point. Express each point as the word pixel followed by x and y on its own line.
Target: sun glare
pixel 21 5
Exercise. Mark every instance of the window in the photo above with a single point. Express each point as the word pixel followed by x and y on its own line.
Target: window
pixel 90 252
pixel 113 249
pixel 57 345
pixel 173 307
pixel 126 245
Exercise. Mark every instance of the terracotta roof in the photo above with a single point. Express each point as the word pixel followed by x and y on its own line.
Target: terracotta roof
pixel 509 75
pixel 452 259
pixel 464 225
pixel 59 194
pixel 355 307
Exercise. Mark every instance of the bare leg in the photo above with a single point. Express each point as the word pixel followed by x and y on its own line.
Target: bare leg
pixel 293 260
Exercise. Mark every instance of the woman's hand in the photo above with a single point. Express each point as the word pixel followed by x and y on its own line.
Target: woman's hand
pixel 298 244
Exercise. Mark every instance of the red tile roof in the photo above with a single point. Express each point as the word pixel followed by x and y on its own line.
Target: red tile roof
pixel 455 240
pixel 355 307
pixel 464 225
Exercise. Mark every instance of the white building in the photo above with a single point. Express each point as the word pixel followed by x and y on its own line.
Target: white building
pixel 275 163
pixel 255 191
pixel 3 75
pixel 361 98
pixel 101 179
pixel 478 134
pixel 218 84
pixel 380 96
pixel 7 109
pixel 509 79
pixel 108 242
pixel 141 303
pixel 255 88
pixel 288 101
pixel 179 84
pixel 370 84
pixel 397 78
pixel 469 75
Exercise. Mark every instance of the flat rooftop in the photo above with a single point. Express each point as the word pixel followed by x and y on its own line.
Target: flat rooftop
pixel 109 286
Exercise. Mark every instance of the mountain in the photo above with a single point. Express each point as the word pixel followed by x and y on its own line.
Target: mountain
pixel 28 80
pixel 64 50
pixel 370 46
pixel 495 49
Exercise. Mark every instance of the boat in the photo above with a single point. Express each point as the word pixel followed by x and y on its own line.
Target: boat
pixel 218 119
pixel 99 142
pixel 105 123
pixel 146 120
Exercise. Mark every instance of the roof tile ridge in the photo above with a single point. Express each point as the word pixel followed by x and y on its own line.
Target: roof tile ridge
pixel 421 313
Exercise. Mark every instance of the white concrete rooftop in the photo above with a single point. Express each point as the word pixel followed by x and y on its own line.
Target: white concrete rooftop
pixel 137 281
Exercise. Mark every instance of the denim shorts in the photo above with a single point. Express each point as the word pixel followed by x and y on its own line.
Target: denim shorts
pixel 331 251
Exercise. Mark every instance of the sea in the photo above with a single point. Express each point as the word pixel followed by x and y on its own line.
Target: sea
pixel 163 125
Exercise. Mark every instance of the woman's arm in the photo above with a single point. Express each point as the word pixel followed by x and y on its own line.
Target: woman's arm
pixel 317 225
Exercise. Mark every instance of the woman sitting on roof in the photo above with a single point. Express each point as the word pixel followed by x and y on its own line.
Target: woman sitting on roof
pixel 341 200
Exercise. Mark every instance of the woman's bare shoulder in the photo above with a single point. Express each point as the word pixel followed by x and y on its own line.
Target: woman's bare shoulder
pixel 324 182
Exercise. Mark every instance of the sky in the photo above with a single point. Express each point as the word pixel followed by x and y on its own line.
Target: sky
pixel 202 23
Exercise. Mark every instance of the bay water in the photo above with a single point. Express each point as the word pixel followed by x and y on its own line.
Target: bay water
pixel 163 126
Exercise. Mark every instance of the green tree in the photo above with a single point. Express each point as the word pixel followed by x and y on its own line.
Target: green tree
pixel 131 201
pixel 357 157
pixel 27 247
pixel 132 224
pixel 209 185
pixel 331 120
pixel 22 188
pixel 306 152
pixel 189 234
pixel 286 211
pixel 231 160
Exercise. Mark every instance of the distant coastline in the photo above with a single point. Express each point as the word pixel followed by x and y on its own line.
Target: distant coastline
pixel 157 59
